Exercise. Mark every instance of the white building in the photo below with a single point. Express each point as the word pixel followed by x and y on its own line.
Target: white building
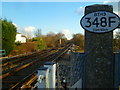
pixel 20 38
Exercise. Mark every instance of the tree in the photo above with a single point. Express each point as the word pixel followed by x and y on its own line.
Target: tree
pixel 42 44
pixel 51 34
pixel 50 40
pixel 8 35
pixel 78 39
pixel 0 34
pixel 38 33
pixel 54 40
pixel 60 39
pixel 116 42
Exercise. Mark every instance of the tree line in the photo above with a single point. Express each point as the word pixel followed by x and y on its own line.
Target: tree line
pixel 51 40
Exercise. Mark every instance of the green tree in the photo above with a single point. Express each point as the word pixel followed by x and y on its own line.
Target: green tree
pixel 0 34
pixel 8 35
pixel 42 44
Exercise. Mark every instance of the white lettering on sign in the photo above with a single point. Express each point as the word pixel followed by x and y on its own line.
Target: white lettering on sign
pixel 100 21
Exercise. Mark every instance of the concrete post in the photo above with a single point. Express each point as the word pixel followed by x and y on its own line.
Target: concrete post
pixel 43 77
pixel 99 54
pixel 52 73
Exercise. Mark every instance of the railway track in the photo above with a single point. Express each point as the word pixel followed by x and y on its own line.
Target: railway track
pixel 26 63
pixel 12 64
pixel 25 74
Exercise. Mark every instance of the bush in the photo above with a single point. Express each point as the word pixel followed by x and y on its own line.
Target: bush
pixel 18 43
pixel 42 45
pixel 8 36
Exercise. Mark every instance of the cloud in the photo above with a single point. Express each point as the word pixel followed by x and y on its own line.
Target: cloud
pixel 80 10
pixel 67 33
pixel 15 24
pixel 105 2
pixel 27 31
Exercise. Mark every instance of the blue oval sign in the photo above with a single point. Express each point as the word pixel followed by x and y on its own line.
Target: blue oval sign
pixel 100 21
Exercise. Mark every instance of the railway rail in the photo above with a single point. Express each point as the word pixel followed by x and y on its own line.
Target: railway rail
pixel 27 63
pixel 12 64
pixel 24 75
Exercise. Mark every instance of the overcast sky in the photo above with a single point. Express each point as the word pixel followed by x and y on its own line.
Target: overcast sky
pixel 49 16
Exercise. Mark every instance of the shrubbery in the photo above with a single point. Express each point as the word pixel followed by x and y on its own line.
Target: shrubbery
pixel 42 45
pixel 8 36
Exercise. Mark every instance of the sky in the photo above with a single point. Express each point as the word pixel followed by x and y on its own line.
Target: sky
pixel 53 17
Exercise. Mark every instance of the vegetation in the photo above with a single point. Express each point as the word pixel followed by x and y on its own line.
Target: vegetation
pixel 8 36
pixel 41 45
pixel 78 40
pixel 116 42
pixel 38 33
pixel 24 48
pixel 39 42
pixel 53 40
pixel 0 34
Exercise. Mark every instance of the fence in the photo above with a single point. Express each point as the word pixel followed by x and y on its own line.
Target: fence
pixel 117 70
pixel 47 74
pixel 78 69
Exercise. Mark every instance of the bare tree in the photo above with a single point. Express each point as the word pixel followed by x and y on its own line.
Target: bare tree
pixel 38 33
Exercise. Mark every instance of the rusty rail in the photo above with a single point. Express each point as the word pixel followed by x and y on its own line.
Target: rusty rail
pixel 31 67
pixel 15 60
pixel 24 66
